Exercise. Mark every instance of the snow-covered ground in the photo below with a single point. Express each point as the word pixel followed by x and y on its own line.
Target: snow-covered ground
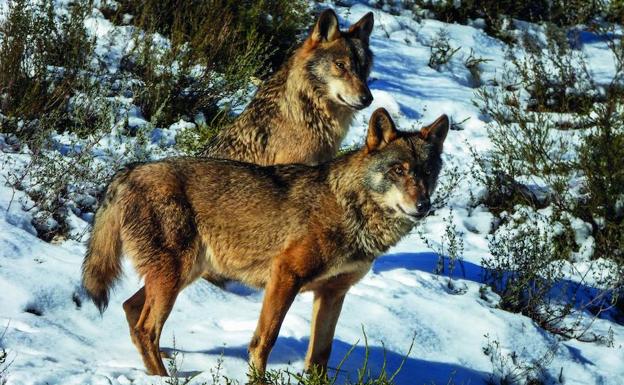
pixel 54 336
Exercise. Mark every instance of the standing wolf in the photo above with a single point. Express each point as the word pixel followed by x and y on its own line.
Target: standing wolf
pixel 286 228
pixel 302 113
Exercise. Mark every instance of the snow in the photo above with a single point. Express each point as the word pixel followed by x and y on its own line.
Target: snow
pixel 54 336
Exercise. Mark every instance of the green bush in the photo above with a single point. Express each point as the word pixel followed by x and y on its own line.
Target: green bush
pixel 569 163
pixel 449 248
pixel 216 49
pixel 441 50
pixel 210 54
pixel 601 160
pixel 498 14
pixel 61 178
pixel 221 29
pixel 192 140
pixel 43 59
pixel 511 369
pixel 532 145
pixel 524 266
pixel 615 12
pixel 47 87
pixel 172 85
pixel 473 64
pixel 529 269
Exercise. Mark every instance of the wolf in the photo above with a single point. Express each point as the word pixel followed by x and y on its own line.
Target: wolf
pixel 284 228
pixel 302 113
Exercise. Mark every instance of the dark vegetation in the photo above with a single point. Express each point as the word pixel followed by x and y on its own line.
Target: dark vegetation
pixel 216 48
pixel 45 60
pixel 4 364
pixel 222 28
pixel 498 15
pixel 557 136
pixel 214 51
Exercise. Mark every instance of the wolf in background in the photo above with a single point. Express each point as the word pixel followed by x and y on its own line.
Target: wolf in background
pixel 286 229
pixel 302 113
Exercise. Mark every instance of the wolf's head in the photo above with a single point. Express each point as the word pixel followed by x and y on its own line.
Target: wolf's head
pixel 337 63
pixel 401 168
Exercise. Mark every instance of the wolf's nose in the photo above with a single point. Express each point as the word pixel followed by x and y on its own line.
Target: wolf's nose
pixel 423 206
pixel 366 99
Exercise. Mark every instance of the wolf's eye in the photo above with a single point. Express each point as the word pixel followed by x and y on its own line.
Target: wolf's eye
pixel 398 170
pixel 340 65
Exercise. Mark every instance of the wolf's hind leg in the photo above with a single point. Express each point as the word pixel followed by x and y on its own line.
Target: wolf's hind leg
pixel 133 306
pixel 160 291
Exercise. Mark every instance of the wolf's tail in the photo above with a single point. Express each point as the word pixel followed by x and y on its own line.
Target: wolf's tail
pixel 102 264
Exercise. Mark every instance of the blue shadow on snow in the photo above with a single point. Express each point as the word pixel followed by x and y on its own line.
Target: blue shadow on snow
pixel 578 294
pixel 414 371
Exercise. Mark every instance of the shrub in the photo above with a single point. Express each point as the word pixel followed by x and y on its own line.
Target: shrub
pixel 529 147
pixel 473 64
pixel 530 271
pixel 61 177
pixel 441 50
pixel 209 54
pixel 172 85
pixel 194 61
pixel 601 160
pixel 191 140
pixel 510 369
pixel 615 12
pixel 43 59
pixel 448 184
pixel 499 14
pixel 212 52
pixel 221 29
pixel 450 248
pixel 524 267
pixel 4 365
pixel 569 164
pixel 556 76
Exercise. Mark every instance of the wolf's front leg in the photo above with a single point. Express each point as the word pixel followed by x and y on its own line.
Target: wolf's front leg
pixel 328 298
pixel 325 313
pixel 279 294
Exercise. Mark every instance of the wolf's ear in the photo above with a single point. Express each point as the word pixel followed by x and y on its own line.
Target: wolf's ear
pixel 326 28
pixel 435 133
pixel 381 130
pixel 363 28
